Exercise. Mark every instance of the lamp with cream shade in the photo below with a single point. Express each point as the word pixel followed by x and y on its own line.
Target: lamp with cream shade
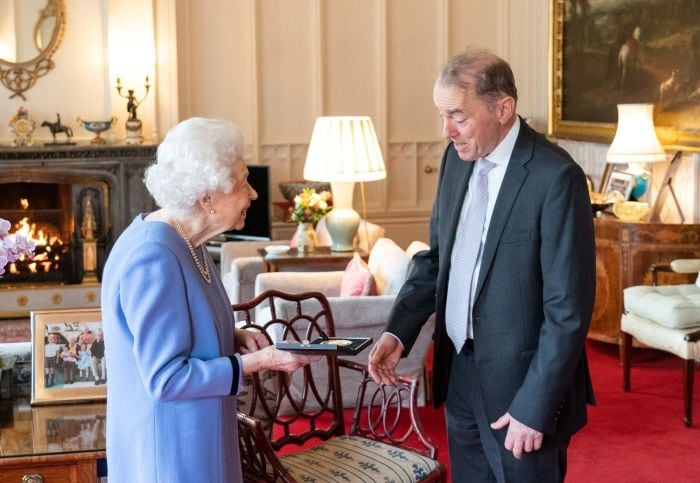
pixel 635 143
pixel 344 150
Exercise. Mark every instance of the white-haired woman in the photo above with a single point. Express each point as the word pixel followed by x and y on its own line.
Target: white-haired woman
pixel 174 364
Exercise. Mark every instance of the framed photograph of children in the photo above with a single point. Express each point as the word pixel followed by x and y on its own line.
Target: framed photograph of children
pixel 621 182
pixel 68 356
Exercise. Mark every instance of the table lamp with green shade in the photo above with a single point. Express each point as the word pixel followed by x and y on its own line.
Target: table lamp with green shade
pixel 344 150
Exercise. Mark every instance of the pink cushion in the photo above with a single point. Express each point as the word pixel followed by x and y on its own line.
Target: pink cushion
pixel 357 279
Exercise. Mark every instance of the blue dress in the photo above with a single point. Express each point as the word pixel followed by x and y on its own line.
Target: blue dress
pixel 168 333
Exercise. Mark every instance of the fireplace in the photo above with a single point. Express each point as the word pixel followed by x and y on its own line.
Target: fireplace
pixel 58 214
pixel 75 200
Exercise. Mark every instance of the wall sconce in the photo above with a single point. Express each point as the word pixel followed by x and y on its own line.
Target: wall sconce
pixel 343 150
pixel 134 125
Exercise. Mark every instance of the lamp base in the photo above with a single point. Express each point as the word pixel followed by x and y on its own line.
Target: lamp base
pixel 342 224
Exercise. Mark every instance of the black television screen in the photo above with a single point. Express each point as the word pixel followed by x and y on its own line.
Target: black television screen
pixel 257 220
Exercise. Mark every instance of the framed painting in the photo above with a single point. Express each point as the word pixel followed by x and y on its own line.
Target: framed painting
pixel 68 356
pixel 609 52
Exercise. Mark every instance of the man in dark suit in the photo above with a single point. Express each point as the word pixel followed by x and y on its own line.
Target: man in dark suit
pixel 511 321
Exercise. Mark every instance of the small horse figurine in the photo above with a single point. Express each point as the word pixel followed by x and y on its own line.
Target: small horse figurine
pixel 57 127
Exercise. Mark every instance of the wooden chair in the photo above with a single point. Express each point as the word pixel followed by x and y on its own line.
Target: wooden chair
pixel 302 412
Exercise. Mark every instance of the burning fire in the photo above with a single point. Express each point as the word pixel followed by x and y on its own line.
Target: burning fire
pixel 47 253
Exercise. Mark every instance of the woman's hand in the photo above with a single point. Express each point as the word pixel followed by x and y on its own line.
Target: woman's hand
pixel 271 358
pixel 248 341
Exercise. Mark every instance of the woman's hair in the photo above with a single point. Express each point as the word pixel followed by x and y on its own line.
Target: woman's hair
pixel 195 158
pixel 490 76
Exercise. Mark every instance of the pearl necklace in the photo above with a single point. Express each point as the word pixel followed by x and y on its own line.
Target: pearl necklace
pixel 203 266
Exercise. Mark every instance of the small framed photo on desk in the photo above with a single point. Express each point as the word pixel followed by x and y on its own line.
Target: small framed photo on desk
pixel 621 182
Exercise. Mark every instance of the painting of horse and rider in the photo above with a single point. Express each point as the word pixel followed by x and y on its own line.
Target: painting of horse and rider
pixel 609 52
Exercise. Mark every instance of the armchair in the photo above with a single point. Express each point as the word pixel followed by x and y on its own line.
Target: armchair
pixel 362 316
pixel 666 318
pixel 385 441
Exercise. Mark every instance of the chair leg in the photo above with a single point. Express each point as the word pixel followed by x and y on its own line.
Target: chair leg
pixel 688 375
pixel 625 349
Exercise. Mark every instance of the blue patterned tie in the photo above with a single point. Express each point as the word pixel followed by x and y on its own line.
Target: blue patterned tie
pixel 465 253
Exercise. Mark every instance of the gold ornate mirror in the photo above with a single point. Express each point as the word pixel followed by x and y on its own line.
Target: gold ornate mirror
pixel 30 32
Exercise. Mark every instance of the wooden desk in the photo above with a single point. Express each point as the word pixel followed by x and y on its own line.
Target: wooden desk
pixel 59 443
pixel 624 253
pixel 321 256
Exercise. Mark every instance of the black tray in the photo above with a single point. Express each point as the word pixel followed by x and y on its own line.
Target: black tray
pixel 328 346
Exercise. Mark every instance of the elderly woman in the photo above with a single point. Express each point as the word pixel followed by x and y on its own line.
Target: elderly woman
pixel 174 361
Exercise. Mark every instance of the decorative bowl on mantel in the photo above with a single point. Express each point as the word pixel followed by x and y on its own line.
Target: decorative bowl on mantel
pixel 97 127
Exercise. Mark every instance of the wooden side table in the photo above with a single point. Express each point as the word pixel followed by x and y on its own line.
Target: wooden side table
pixel 320 257
pixel 625 251
pixel 56 443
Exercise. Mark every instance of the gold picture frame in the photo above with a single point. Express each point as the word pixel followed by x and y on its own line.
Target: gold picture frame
pixel 624 51
pixel 64 368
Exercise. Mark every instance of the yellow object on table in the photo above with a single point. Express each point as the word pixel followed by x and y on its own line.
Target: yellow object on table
pixel 631 210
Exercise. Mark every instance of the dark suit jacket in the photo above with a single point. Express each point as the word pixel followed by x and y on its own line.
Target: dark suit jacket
pixel 535 292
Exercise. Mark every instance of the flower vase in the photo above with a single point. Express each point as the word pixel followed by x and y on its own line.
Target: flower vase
pixel 306 237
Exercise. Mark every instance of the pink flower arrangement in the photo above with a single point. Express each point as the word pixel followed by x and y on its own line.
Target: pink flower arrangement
pixel 13 247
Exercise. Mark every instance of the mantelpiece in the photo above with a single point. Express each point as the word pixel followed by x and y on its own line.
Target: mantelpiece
pixel 112 178
pixel 121 167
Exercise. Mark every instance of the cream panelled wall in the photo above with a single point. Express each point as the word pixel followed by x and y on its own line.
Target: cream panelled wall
pixel 273 66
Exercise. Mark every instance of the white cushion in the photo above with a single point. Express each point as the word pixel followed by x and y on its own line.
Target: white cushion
pixel 367 235
pixel 686 265
pixel 415 247
pixel 389 265
pixel 674 306
pixel 659 337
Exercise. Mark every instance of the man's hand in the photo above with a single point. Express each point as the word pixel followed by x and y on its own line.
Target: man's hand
pixel 383 359
pixel 519 437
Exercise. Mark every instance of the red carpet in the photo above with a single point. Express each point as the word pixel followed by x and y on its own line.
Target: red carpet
pixel 630 437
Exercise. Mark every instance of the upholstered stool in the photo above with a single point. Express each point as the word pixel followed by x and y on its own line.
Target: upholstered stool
pixel 666 318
